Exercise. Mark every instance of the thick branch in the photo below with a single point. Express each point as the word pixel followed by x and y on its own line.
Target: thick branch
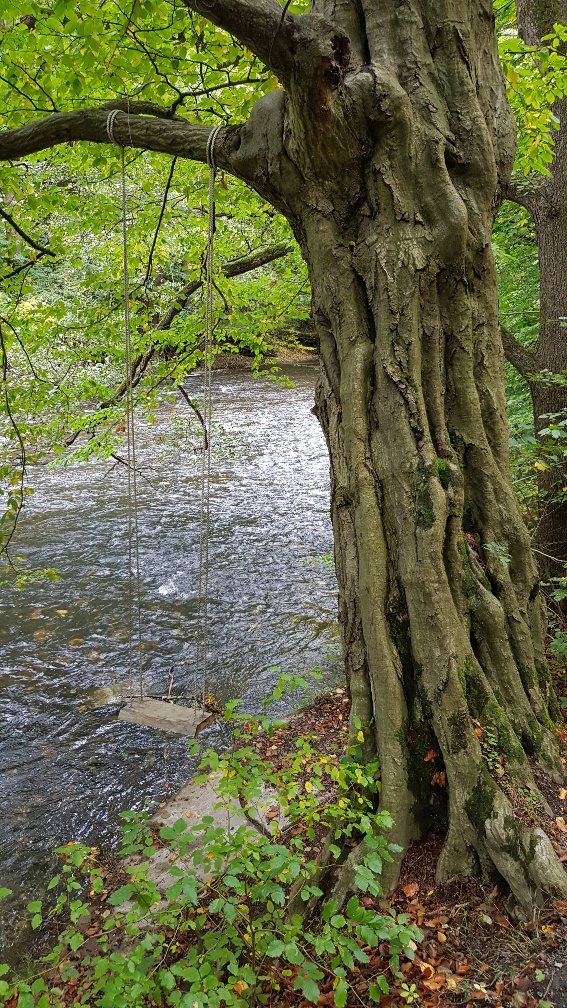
pixel 525 361
pixel 259 24
pixel 236 267
pixel 168 135
pixel 524 193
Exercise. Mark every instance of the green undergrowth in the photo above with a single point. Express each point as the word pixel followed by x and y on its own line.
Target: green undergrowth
pixel 227 930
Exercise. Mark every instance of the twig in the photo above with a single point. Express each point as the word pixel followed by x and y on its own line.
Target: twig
pixel 259 826
pixel 160 219
pixel 30 241
pixel 198 413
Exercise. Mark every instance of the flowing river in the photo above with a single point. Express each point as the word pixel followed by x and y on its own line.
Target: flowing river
pixel 67 766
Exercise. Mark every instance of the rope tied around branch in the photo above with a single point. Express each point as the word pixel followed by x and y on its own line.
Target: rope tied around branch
pixel 134 576
pixel 205 478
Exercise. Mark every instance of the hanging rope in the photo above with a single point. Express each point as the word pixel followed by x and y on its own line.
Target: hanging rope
pixel 134 578
pixel 200 689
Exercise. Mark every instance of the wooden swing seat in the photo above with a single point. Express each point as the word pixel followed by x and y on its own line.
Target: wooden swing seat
pixel 165 716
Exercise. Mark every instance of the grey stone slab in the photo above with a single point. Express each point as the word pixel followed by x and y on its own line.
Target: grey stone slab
pixel 166 716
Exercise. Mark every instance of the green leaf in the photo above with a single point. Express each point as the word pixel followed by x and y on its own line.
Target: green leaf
pixel 374 862
pixel 276 949
pixel 121 895
pixel 329 909
pixel 308 988
pixel 293 954
pixel 75 941
pixel 341 993
pixel 376 990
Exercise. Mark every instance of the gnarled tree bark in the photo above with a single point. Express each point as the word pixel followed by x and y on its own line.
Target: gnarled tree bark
pixel 387 150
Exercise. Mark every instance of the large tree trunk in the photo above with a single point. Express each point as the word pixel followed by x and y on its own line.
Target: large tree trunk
pixel 393 204
pixel 387 149
pixel 546 200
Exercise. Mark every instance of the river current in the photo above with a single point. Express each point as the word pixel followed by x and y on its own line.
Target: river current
pixel 67 766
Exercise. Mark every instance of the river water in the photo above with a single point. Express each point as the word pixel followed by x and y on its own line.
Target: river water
pixel 67 766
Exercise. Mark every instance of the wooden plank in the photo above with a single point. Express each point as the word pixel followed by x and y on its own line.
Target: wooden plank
pixel 166 716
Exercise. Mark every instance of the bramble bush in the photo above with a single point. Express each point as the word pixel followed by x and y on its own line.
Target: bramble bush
pixel 236 922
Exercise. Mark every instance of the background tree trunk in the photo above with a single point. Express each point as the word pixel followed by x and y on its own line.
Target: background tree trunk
pixel 546 201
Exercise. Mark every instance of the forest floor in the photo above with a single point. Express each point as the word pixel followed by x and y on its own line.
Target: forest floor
pixel 473 953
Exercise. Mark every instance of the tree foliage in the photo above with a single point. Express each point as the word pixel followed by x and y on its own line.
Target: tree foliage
pixel 62 302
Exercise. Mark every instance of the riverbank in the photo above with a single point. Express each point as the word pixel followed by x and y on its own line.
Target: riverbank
pixel 295 354
pixel 472 952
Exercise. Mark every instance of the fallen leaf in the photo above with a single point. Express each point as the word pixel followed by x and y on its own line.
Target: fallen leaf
pixel 562 825
pixel 62 612
pixel 75 641
pixel 240 986
pixel 439 778
pixel 519 999
pixel 441 937
pixel 411 889
pixel 430 756
pixel 562 794
pixel 431 985
pixel 523 983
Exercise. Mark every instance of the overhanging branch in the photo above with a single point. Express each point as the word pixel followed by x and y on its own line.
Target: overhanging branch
pixel 156 132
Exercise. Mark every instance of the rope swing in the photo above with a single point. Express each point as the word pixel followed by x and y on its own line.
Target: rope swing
pixel 163 713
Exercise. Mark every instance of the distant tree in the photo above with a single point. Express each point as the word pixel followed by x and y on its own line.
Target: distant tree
pixel 541 90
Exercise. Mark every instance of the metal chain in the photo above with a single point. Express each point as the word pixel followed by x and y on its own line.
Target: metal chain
pixel 200 689
pixel 134 575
